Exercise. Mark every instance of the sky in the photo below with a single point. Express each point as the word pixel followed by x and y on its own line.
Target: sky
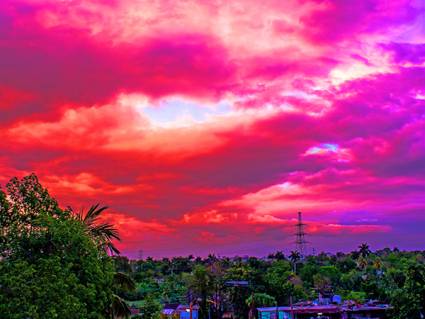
pixel 205 126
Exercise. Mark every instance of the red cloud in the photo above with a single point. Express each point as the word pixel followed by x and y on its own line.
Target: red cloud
pixel 206 127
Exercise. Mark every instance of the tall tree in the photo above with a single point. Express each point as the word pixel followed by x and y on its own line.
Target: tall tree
pixel 55 259
pixel 295 257
pixel 259 300
pixel 364 250
pixel 21 206
pixel 409 300
pixel 55 272
pixel 201 286
pixel 277 281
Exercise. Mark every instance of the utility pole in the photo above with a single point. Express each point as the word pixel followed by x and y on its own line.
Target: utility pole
pixel 300 242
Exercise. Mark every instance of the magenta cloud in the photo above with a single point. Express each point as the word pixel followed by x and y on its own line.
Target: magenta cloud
pixel 205 127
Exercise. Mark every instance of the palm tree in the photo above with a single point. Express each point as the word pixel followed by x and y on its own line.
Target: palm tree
pixel 295 257
pixel 364 250
pixel 377 264
pixel 124 282
pixel 119 308
pixel 362 263
pixel 102 233
pixel 259 299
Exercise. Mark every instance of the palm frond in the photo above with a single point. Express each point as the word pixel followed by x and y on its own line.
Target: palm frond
pixel 93 214
pixel 105 231
pixel 119 308
pixel 109 247
pixel 124 282
pixel 101 232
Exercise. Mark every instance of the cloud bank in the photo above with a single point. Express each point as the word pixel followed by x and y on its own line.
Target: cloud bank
pixel 206 126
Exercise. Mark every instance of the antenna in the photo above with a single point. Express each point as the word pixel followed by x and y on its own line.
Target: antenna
pixel 300 242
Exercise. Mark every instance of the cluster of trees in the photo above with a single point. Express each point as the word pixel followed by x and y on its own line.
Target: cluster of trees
pixel 387 275
pixel 54 263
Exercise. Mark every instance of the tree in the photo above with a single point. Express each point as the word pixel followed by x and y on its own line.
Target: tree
pixel 323 285
pixel 261 299
pixel 362 262
pixel 200 284
pixel 276 278
pixel 150 308
pixel 357 296
pixel 332 273
pixel 102 234
pixel 377 264
pixel 56 273
pixel 326 280
pixel 21 206
pixel 279 255
pixel 295 257
pixel 173 289
pixel 237 295
pixel 409 300
pixel 364 250
pixel 257 300
pixel 121 283
pixel 51 265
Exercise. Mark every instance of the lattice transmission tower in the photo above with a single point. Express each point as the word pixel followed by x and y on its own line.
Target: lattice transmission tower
pixel 300 241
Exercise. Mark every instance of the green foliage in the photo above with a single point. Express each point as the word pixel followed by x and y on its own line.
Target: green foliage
pixel 260 299
pixel 173 289
pixel 119 307
pixel 201 283
pixel 278 281
pixel 358 296
pixel 57 274
pixel 35 290
pixel 22 210
pixel 409 300
pixel 150 308
pixel 364 250
pixel 102 233
pixel 50 265
pixel 326 279
pixel 382 275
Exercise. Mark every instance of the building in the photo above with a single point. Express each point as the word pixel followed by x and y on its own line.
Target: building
pixel 375 311
pixel 177 311
pixel 300 312
pixel 345 311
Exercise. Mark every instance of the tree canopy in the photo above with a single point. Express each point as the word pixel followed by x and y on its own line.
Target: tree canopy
pixel 389 275
pixel 50 266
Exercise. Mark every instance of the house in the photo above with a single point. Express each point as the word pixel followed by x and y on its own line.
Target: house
pixel 300 312
pixel 375 311
pixel 177 311
pixel 331 311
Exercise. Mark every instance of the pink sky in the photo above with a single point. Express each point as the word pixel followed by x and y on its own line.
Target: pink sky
pixel 206 125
